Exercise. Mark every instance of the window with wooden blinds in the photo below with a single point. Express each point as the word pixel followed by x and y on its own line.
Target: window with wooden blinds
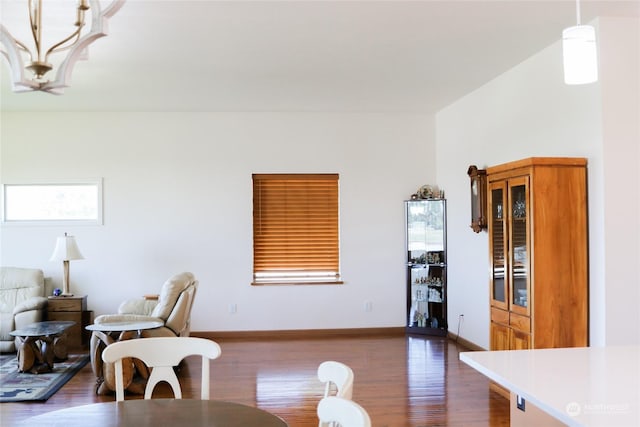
pixel 295 229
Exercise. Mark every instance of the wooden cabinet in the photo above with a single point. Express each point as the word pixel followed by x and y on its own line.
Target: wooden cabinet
pixel 426 249
pixel 538 253
pixel 499 336
pixel 73 309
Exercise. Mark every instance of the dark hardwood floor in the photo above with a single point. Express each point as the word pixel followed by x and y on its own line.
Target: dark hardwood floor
pixel 400 381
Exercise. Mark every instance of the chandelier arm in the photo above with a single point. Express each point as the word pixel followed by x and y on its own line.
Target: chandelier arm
pixel 75 34
pixel 99 28
pixel 23 47
pixel 35 19
pixel 12 53
pixel 111 10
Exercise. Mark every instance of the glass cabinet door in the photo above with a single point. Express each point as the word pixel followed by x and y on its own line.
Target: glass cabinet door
pixel 426 231
pixel 435 231
pixel 416 233
pixel 497 203
pixel 519 254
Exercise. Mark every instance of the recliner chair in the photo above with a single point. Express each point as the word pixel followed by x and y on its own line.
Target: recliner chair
pixel 172 307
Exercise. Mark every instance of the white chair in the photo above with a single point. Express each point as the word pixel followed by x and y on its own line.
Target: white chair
pixel 343 412
pixel 339 374
pixel 161 354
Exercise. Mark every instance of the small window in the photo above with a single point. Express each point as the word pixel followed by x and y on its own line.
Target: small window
pixel 295 229
pixel 50 203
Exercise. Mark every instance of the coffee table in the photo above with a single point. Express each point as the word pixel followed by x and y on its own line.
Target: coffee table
pixel 104 334
pixel 40 344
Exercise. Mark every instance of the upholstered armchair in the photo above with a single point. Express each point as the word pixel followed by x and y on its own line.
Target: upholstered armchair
pixel 172 306
pixel 22 302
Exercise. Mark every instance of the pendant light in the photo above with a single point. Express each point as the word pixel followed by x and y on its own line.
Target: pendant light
pixel 579 53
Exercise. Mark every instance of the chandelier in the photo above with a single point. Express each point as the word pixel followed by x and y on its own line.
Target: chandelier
pixel 35 66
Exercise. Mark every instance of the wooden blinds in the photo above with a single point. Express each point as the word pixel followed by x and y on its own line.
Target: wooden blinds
pixel 295 228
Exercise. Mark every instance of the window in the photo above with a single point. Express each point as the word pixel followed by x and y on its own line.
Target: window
pixel 295 229
pixel 69 202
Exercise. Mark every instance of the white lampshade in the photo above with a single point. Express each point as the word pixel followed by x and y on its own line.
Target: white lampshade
pixel 66 249
pixel 579 55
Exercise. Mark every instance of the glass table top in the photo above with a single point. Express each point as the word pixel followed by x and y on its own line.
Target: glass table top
pixel 119 326
pixel 41 329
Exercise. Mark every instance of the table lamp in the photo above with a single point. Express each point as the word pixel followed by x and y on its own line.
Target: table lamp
pixel 66 249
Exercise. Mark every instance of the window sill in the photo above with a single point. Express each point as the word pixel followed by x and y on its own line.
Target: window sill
pixel 298 283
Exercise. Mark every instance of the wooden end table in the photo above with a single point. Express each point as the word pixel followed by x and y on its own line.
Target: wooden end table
pixel 40 344
pixel 72 308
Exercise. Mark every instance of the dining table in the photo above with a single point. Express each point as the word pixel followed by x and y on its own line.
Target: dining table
pixel 159 412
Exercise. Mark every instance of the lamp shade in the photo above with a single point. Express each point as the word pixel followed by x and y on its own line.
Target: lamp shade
pixel 66 249
pixel 579 55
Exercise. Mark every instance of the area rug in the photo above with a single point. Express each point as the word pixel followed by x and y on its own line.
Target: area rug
pixel 19 387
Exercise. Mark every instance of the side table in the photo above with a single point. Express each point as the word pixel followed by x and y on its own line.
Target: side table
pixel 104 334
pixel 72 309
pixel 41 344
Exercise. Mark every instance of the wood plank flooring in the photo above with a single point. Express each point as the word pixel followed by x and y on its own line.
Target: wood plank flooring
pixel 401 381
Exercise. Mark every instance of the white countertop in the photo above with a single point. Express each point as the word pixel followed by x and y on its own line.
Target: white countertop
pixel 585 386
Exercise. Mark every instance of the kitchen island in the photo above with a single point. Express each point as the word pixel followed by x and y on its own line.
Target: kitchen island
pixel 583 386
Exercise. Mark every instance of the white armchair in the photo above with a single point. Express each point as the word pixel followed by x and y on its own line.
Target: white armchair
pixel 22 302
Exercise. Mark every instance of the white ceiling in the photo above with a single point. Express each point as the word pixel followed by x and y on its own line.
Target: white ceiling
pixel 383 56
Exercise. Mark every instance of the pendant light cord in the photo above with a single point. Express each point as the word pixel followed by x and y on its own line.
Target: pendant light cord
pixel 578 11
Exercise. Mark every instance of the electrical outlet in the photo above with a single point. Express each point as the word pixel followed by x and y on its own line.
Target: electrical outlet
pixel 368 306
pixel 233 308
pixel 460 322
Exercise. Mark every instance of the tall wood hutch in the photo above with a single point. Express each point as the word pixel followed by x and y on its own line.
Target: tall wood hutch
pixel 538 253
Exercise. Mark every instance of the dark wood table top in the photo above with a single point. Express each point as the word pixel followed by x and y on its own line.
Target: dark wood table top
pixel 159 412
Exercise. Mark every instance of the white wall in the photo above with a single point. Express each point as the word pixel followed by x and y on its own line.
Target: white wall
pixel 178 196
pixel 529 111
pixel 620 51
